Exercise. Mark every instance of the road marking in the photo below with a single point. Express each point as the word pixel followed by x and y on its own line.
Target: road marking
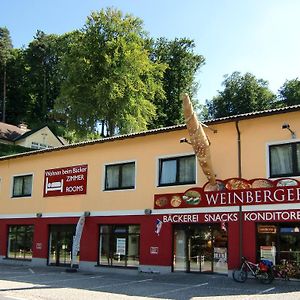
pixel 20 276
pixel 31 271
pixel 69 279
pixel 177 290
pixel 119 284
pixel 267 290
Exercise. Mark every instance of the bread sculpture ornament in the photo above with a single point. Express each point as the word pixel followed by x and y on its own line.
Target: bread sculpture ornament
pixel 199 141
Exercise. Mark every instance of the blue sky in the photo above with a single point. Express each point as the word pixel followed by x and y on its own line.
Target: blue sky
pixel 257 36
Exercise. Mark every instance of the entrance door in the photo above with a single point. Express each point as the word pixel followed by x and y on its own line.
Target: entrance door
pixel 200 248
pixel 200 254
pixel 60 244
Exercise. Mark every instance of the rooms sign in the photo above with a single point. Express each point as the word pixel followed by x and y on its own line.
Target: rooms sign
pixel 65 181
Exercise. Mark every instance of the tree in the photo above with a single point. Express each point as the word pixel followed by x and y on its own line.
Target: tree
pixel 179 77
pixel 289 93
pixel 107 67
pixel 5 54
pixel 42 58
pixel 241 94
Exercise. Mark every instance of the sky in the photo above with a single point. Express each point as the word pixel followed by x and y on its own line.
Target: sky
pixel 257 36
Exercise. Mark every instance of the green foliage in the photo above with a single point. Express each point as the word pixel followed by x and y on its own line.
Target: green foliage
pixel 241 94
pixel 289 93
pixel 179 77
pixel 42 77
pixel 5 46
pixel 108 76
pixel 12 149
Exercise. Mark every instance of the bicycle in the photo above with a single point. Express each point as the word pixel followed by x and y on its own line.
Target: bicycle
pixel 261 271
pixel 285 269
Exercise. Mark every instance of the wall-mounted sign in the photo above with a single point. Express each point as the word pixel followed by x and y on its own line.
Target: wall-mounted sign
pixel 229 217
pixel 153 250
pixel 65 181
pixel 38 246
pixel 233 192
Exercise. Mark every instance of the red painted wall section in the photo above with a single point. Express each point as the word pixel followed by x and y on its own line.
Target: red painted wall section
pixel 40 239
pixel 156 249
pixel 249 240
pixel 233 245
pixel 89 244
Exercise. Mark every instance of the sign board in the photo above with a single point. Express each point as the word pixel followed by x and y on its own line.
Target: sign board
pixel 153 250
pixel 267 229
pixel 233 192
pixel 38 246
pixel 268 252
pixel 65 181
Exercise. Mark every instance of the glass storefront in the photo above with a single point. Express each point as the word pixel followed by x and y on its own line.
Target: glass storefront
pixel 279 242
pixel 20 239
pixel 200 248
pixel 60 244
pixel 119 245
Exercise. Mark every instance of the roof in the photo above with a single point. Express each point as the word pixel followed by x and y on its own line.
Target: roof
pixel 30 132
pixel 11 132
pixel 245 116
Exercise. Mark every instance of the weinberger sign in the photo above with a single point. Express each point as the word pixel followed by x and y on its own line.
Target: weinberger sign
pixel 233 192
pixel 65 181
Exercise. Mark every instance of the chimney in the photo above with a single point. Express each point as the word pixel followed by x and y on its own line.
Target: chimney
pixel 23 127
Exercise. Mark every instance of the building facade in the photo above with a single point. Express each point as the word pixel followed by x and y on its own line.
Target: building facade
pixel 144 203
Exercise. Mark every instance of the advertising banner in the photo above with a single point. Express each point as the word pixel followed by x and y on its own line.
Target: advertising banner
pixel 65 181
pixel 233 192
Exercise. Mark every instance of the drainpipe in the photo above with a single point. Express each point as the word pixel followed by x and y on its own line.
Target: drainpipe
pixel 239 149
pixel 240 175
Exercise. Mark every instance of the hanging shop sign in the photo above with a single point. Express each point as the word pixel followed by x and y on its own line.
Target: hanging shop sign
pixel 65 181
pixel 233 192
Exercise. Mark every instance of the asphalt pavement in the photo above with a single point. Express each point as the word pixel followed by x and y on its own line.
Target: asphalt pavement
pixel 54 283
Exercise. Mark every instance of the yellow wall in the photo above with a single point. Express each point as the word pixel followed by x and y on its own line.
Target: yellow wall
pixel 145 151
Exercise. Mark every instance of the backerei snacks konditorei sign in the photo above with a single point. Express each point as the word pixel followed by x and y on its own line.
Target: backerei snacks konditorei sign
pixel 65 181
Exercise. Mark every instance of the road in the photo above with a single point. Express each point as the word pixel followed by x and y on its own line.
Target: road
pixel 20 283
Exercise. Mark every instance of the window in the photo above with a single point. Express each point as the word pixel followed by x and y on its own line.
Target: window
pixel 20 241
pixel 22 186
pixel 178 170
pixel 119 245
pixel 120 176
pixel 284 160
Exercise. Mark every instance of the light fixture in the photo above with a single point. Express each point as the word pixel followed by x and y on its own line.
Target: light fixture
pixel 148 211
pixel 184 140
pixel 87 213
pixel 39 215
pixel 287 126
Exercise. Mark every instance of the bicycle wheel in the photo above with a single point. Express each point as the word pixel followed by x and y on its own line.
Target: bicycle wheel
pixel 266 277
pixel 240 275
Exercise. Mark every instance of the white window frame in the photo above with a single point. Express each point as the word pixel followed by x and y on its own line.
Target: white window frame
pixel 158 158
pixel 273 143
pixel 12 185
pixel 119 163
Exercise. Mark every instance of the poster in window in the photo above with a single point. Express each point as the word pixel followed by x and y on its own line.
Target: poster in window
pixel 121 246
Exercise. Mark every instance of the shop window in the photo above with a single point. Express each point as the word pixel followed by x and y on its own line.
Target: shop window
pixel 278 242
pixel 22 186
pixel 177 170
pixel 120 176
pixel 119 245
pixel 20 239
pixel 284 160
